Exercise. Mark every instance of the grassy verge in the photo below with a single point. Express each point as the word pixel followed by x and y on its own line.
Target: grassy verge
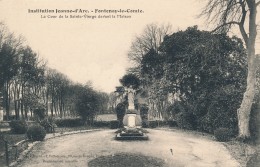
pixel 242 152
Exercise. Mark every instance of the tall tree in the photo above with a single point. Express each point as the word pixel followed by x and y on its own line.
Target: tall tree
pixel 151 38
pixel 58 89
pixel 143 54
pixel 130 80
pixel 8 69
pixel 87 104
pixel 112 101
pixel 205 69
pixel 227 13
pixel 31 77
pixel 9 45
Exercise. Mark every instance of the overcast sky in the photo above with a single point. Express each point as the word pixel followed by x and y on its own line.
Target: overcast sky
pixel 93 49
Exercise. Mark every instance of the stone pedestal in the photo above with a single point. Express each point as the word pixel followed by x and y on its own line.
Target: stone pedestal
pixel 132 120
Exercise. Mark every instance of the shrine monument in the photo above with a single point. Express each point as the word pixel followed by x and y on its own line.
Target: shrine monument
pixel 132 121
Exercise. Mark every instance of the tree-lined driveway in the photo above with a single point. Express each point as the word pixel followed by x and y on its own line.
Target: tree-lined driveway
pixel 175 148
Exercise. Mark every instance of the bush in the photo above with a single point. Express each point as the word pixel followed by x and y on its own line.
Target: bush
pixel 88 103
pixel 144 111
pixel 152 124
pixel 157 123
pixel 205 125
pixel 11 117
pixel 214 120
pixel 222 134
pixel 36 133
pixel 69 122
pixel 172 123
pixel 186 120
pixel 144 123
pixel 100 124
pixel 218 109
pixel 114 124
pixel 48 125
pixel 120 112
pixel 161 123
pixel 175 108
pixel 39 112
pixel 18 126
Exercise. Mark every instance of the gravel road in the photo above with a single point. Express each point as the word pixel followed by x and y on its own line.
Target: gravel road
pixel 175 148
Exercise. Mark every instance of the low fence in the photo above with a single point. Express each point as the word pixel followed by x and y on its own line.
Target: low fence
pixel 12 152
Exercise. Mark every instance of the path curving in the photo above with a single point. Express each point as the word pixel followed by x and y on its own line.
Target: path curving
pixel 175 148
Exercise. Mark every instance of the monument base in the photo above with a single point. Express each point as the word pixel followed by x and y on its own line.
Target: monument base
pixel 131 134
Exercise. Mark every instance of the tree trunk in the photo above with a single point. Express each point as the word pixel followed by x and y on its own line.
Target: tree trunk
pixel 243 112
pixel 22 110
pixel 47 102
pixel 245 107
pixel 52 109
pixel 52 104
pixel 6 104
pixel 16 100
pixel 18 109
pixel 26 112
pixel 15 109
pixel 60 106
pixel 9 99
pixel 55 108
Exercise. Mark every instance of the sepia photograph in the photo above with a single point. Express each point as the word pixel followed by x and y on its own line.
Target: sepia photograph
pixel 129 83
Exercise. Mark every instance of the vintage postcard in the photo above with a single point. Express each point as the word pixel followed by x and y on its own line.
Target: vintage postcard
pixel 129 83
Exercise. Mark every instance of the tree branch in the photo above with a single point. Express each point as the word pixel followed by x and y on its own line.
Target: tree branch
pixel 258 3
pixel 225 24
pixel 241 25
